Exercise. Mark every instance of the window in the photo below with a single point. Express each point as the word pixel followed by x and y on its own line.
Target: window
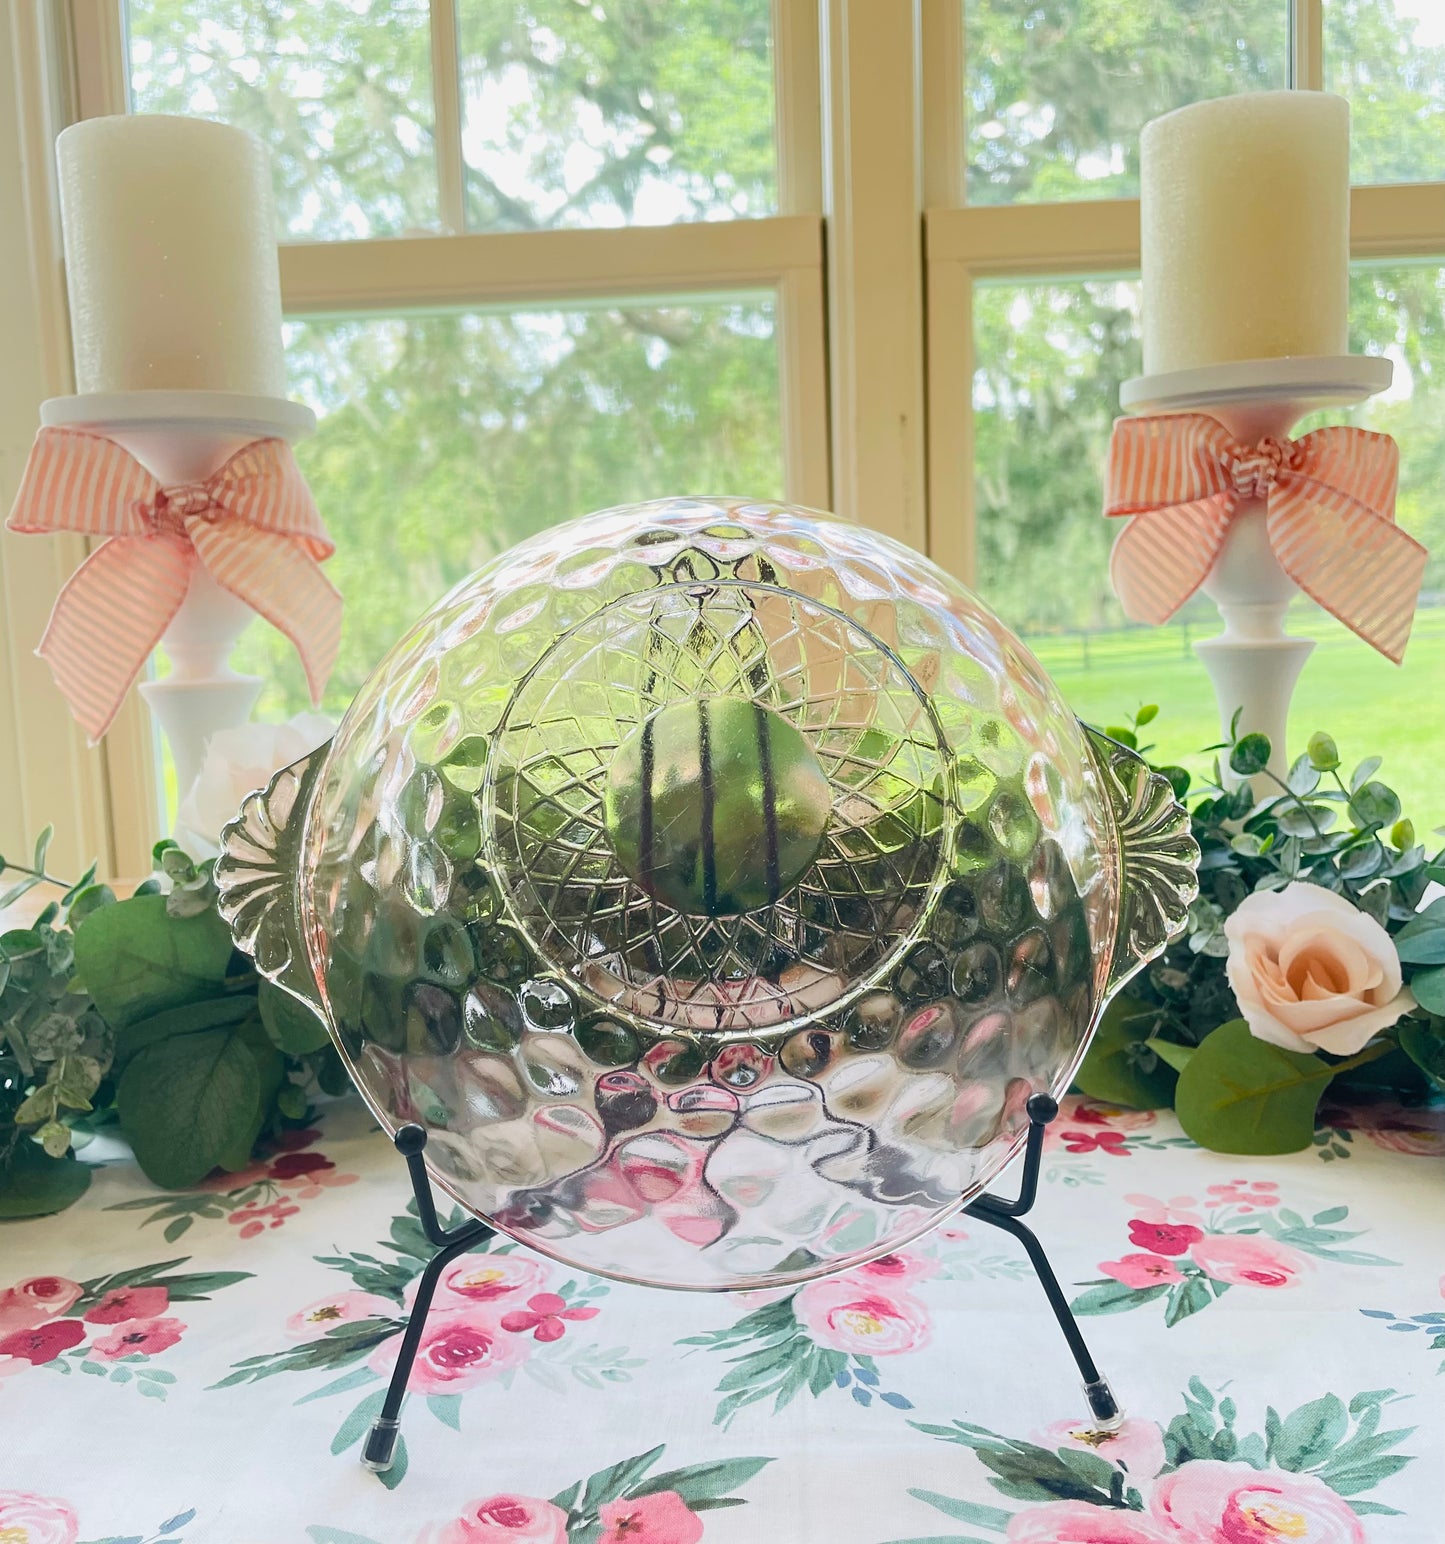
pixel 543 255
pixel 1033 324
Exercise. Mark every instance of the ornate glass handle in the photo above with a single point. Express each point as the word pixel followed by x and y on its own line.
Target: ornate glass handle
pixel 258 874
pixel 1156 857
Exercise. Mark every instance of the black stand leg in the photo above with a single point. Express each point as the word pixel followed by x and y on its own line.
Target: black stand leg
pixel 998 1213
pixel 380 1446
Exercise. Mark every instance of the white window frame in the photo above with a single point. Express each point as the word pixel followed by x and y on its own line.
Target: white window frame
pixel 873 257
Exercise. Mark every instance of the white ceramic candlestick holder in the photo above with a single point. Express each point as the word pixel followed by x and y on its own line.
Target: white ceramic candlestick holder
pixel 1254 663
pixel 183 437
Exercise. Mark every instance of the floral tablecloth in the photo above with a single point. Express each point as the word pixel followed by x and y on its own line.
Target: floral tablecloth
pixel 202 1367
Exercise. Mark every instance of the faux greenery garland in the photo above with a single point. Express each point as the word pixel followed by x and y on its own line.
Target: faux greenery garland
pixel 140 1015
pixel 1176 1037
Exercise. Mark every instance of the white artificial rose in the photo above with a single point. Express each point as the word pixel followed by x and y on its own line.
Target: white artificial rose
pixel 238 762
pixel 1311 972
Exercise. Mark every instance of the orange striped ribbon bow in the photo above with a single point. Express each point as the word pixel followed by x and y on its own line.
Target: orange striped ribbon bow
pixel 1329 512
pixel 253 526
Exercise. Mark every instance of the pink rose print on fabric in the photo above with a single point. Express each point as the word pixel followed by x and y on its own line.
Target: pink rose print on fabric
pixel 1077 1522
pixel 459 1349
pixel 1142 1270
pixel 1242 1236
pixel 35 1299
pixel 340 1308
pixel 266 1193
pixel 663 1518
pixel 143 1336
pixel 27 1518
pixel 255 1219
pixel 1113 1144
pixel 1137 1445
pixel 122 1303
pixel 1248 1260
pixel 857 1317
pixel 44 1342
pixel 477 1279
pixel 1177 1209
pixel 900 1269
pixel 1231 1503
pixel 506 1520
pixel 1244 1194
pixel 1163 1238
pixel 544 1315
pixel 308 1174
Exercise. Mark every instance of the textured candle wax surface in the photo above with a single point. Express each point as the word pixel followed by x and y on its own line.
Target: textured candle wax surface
pixel 1245 230
pixel 170 254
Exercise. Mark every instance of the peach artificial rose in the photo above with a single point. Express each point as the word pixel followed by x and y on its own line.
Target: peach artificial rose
pixel 1311 972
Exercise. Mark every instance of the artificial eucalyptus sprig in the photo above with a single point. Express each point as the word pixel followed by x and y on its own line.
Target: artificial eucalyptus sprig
pixel 140 1012
pixel 1176 1036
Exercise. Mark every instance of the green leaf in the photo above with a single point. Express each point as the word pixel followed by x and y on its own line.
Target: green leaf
pixel 189 1019
pixel 1186 1297
pixel 357 1378
pixel 703 1482
pixel 1429 989
pixel 1242 1095
pixel 1179 779
pixel 137 961
pixel 358 1423
pixel 1423 1046
pixel 1322 751
pixel 23 887
pixel 185 1101
pixel 1310 1434
pixel 618 1480
pixel 91 899
pixel 42 847
pixel 1175 1054
pixel 1362 773
pixel 1375 805
pixel 1119 1068
pixel 1124 735
pixel 293 1027
pixel 1422 940
pixel 1146 715
pixel 1304 775
pixel 1250 754
pixel 1115 1297
pixel 33 1184
pixel 447 1408
pixel 962 1511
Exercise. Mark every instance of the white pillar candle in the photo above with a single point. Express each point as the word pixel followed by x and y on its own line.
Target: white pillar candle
pixel 170 255
pixel 1245 229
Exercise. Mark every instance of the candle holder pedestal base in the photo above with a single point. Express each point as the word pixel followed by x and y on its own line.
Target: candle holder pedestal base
pixel 183 437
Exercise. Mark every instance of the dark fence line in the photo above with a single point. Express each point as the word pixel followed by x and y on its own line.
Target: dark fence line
pixel 1138 642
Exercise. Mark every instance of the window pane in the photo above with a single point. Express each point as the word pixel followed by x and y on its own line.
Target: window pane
pixel 1388 58
pixel 446 438
pixel 632 113
pixel 1051 357
pixel 339 89
pixel 1058 90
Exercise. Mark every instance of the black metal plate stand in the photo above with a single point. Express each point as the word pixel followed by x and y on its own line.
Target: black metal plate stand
pixel 380 1446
